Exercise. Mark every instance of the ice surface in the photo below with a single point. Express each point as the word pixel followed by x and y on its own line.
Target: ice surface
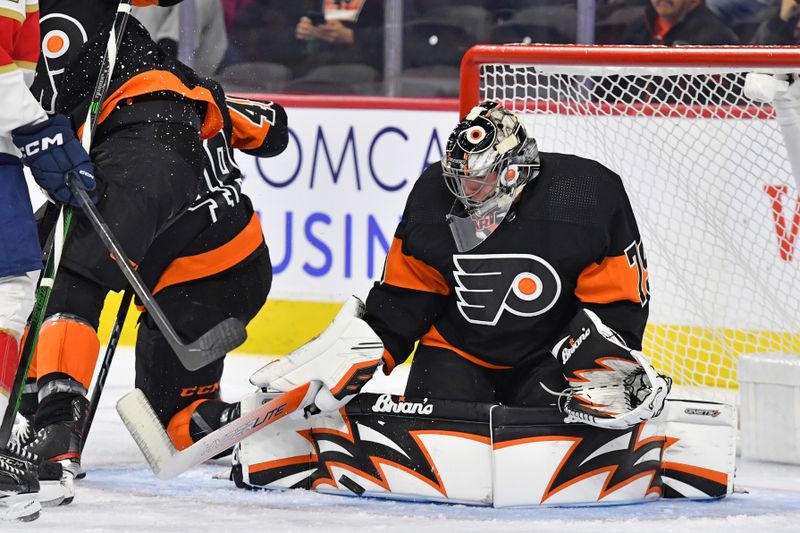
pixel 121 494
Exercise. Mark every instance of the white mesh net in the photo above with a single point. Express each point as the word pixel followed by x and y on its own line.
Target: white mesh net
pixel 707 173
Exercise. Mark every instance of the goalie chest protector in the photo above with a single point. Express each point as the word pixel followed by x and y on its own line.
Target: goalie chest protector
pixel 571 241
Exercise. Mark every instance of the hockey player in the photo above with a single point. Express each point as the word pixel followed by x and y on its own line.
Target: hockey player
pixel 148 155
pixel 522 276
pixel 211 264
pixel 51 151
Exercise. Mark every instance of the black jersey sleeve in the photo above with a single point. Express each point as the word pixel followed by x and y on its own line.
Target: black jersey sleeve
pixel 406 302
pixel 259 128
pixel 616 285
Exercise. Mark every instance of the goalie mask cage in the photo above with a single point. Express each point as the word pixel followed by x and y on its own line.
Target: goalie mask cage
pixel 706 171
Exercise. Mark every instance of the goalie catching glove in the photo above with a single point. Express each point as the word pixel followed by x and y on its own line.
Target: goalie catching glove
pixel 342 359
pixel 611 386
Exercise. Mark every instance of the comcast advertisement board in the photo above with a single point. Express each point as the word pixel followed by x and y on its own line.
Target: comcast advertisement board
pixel 330 203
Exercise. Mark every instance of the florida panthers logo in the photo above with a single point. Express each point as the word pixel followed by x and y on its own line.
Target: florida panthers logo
pixel 486 285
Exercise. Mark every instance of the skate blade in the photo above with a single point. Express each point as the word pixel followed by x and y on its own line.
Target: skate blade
pixel 57 492
pixel 21 507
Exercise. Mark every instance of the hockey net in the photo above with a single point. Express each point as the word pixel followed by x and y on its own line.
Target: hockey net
pixel 707 173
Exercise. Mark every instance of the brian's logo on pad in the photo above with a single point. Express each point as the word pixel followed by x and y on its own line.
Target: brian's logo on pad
pixel 486 285
pixel 385 404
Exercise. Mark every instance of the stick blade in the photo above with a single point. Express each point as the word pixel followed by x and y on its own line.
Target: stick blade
pixel 144 426
pixel 213 344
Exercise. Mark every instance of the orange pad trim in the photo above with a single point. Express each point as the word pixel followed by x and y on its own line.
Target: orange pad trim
pixel 388 362
pixel 68 346
pixel 178 427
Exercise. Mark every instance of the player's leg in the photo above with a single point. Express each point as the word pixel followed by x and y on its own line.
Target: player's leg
pixel 20 259
pixel 146 174
pixel 66 356
pixel 439 373
pixel 188 403
pixel 143 184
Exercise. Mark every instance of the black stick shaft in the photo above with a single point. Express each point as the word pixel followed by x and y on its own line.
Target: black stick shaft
pixel 211 346
pixel 111 348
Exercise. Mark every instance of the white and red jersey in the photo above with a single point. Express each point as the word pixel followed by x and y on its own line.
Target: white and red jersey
pixel 19 51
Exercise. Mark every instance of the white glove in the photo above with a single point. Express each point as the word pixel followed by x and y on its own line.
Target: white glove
pixel 342 359
pixel 611 386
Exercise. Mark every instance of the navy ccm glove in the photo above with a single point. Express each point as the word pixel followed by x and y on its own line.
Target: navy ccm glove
pixel 52 151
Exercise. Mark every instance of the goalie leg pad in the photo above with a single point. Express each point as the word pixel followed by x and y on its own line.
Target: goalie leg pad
pixel 482 454
pixel 343 358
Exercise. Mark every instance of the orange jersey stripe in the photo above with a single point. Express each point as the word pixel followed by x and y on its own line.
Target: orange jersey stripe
pixel 612 280
pixel 388 362
pixel 161 80
pixel 214 261
pixel 410 273
pixel 435 339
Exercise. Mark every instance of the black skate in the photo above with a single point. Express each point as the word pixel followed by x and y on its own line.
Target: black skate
pixel 61 442
pixel 19 485
pixel 210 416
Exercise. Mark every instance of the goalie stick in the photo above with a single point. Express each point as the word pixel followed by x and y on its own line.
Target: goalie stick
pixel 212 345
pixel 166 462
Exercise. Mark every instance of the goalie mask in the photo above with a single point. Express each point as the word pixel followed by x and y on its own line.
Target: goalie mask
pixel 488 160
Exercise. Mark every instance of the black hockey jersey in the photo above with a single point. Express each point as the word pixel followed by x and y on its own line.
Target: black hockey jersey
pixel 74 36
pixel 570 241
pixel 220 230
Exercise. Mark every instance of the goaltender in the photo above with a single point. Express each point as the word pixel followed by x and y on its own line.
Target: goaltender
pixel 529 288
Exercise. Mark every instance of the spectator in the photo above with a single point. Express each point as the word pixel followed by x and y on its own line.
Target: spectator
pixel 679 23
pixel 738 11
pixel 351 32
pixel 781 28
pixel 210 38
pixel 264 31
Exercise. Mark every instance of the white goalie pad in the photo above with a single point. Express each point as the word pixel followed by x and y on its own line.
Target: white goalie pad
pixel 700 451
pixel 342 358
pixel 480 454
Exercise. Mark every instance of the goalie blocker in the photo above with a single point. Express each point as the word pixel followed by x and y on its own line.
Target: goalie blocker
pixel 482 454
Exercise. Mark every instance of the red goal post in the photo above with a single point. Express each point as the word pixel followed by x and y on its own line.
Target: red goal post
pixel 708 172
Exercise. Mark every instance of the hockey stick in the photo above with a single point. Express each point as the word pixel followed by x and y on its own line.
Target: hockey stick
pixel 212 345
pixel 111 347
pixel 62 225
pixel 166 462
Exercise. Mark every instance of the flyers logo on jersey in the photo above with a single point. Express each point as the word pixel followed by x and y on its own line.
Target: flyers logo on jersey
pixel 487 285
pixel 62 37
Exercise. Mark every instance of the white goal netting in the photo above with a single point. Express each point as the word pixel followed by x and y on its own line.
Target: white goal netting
pixel 717 204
